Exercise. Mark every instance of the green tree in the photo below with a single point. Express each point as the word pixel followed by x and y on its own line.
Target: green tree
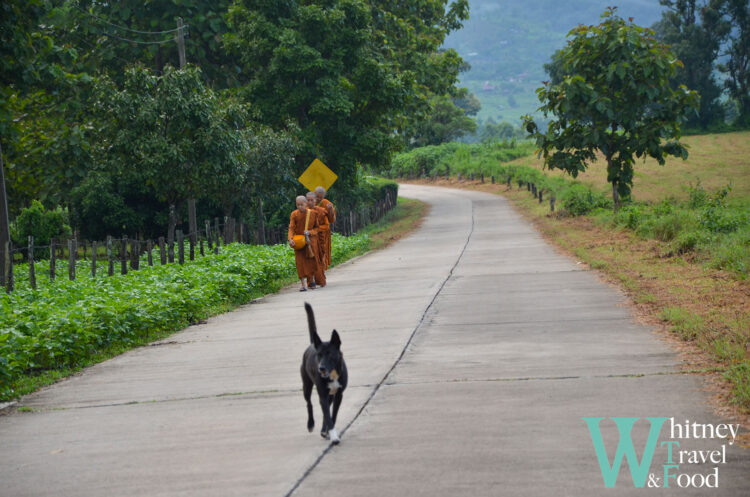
pixel 468 102
pixel 447 122
pixel 615 98
pixel 354 76
pixel 32 76
pixel 170 133
pixel 409 36
pixel 695 31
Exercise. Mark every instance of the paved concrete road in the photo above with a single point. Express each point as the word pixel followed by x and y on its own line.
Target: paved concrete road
pixel 473 349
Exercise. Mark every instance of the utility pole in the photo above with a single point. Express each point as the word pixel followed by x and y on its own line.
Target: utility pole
pixel 181 42
pixel 192 221
pixel 4 222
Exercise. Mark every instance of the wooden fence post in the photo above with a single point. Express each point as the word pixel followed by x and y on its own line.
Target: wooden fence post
pixel 149 250
pixel 32 274
pixel 170 249
pixel 124 255
pixel 52 260
pixel 9 277
pixel 552 203
pixel 136 254
pixel 192 247
pixel 202 252
pixel 181 246
pixel 110 258
pixel 71 260
pixel 162 252
pixel 93 259
pixel 208 235
pixel 540 196
pixel 447 172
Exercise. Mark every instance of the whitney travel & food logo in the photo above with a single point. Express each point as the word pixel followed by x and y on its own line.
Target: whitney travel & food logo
pixel 673 470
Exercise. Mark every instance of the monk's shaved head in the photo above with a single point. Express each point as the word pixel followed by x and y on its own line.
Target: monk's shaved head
pixel 320 191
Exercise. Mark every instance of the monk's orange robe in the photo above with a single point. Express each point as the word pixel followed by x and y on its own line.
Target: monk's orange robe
pixel 324 238
pixel 331 217
pixel 306 266
pixel 320 276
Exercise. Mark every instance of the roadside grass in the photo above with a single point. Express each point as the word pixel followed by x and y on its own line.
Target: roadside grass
pixel 403 219
pixel 399 222
pixel 681 250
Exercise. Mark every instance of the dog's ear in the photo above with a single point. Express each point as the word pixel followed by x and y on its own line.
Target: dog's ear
pixel 317 342
pixel 335 340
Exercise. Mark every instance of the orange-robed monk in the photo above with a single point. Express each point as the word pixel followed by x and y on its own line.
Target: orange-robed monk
pixel 330 212
pixel 306 266
pixel 320 275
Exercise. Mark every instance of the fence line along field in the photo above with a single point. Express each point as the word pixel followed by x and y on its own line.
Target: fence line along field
pixel 127 253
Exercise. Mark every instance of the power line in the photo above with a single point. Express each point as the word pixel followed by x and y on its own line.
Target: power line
pixel 161 42
pixel 126 28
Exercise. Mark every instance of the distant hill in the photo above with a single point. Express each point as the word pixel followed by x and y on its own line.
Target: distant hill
pixel 507 42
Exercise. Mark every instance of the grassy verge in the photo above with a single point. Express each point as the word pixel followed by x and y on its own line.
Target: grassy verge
pixel 55 331
pixel 399 222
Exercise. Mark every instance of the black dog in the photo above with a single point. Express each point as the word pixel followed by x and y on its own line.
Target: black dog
pixel 323 366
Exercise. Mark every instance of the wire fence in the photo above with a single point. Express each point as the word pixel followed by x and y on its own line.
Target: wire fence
pixel 124 254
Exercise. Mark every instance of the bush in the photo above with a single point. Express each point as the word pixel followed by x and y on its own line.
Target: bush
pixel 689 241
pixel 578 200
pixel 629 216
pixel 732 253
pixel 42 224
pixel 720 219
pixel 667 227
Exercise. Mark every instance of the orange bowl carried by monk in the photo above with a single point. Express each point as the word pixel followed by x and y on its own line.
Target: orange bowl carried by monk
pixel 299 242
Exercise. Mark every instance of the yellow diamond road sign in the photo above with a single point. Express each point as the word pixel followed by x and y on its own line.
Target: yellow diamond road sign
pixel 317 174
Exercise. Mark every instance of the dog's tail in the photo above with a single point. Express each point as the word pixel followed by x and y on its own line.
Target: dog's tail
pixel 314 338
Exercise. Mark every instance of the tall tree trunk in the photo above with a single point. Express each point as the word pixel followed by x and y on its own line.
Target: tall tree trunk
pixel 611 174
pixel 4 221
pixel 192 221
pixel 615 196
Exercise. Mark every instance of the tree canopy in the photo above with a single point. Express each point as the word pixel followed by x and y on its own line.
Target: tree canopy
pixel 613 96
pixel 94 117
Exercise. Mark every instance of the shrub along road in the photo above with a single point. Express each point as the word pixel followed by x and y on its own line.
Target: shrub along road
pixel 474 350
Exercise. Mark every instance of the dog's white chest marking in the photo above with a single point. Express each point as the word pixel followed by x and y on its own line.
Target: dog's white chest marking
pixel 333 383
pixel 333 387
